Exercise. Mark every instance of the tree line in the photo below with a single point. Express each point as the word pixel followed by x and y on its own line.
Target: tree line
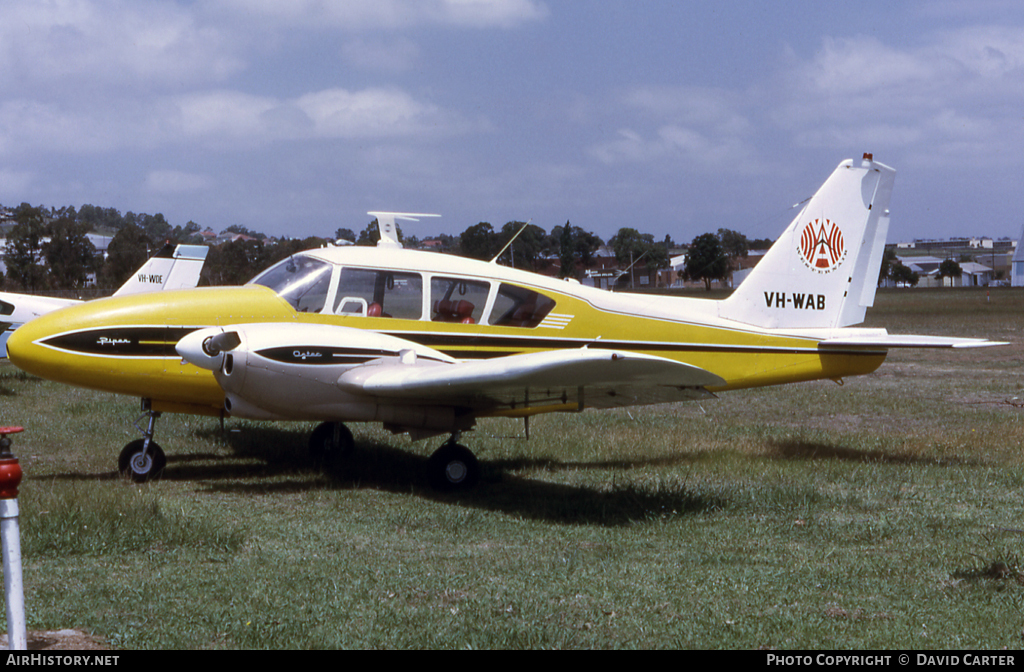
pixel 710 256
pixel 48 248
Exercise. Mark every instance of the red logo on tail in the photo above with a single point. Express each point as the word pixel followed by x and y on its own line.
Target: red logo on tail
pixel 821 245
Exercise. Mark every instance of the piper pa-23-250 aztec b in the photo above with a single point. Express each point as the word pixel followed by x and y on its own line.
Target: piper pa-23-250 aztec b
pixel 427 343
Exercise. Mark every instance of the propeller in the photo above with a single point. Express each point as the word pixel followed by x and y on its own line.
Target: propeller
pixel 204 347
pixel 214 345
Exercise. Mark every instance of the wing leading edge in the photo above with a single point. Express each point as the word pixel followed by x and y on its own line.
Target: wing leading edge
pixel 582 378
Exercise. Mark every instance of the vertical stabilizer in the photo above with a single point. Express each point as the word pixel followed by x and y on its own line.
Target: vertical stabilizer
pixel 176 268
pixel 823 270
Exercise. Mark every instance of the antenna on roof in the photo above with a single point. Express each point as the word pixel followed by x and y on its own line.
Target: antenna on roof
pixel 386 224
pixel 510 241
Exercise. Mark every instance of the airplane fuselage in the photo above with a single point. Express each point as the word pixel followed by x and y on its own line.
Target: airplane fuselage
pixel 469 310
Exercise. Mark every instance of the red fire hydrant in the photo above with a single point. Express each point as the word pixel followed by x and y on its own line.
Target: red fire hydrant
pixel 10 540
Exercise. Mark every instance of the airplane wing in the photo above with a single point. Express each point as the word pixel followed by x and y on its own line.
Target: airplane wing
pixel 286 369
pixel 584 377
pixel 20 308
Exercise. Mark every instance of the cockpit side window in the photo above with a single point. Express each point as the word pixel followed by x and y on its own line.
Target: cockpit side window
pixel 301 281
pixel 519 307
pixel 458 300
pixel 6 308
pixel 379 293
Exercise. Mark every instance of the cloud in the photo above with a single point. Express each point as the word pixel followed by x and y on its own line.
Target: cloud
pixel 14 184
pixel 700 126
pixel 677 143
pixel 708 107
pixel 391 56
pixel 356 15
pixel 336 113
pixel 222 119
pixel 956 92
pixel 176 182
pixel 111 44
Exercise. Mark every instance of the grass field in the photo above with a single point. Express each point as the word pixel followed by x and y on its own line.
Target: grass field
pixel 884 513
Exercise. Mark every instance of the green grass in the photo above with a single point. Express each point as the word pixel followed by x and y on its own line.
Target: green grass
pixel 885 513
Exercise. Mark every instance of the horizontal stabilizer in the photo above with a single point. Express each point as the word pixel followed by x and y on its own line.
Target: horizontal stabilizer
pixel 907 341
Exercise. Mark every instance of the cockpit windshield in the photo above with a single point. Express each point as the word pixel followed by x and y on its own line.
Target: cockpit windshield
pixel 301 281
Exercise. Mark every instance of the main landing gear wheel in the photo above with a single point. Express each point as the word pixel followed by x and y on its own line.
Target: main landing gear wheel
pixel 453 468
pixel 141 463
pixel 329 443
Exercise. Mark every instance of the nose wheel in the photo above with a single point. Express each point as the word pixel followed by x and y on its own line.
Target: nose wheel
pixel 140 462
pixel 143 459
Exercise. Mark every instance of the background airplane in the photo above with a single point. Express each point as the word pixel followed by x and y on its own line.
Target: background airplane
pixel 426 343
pixel 170 268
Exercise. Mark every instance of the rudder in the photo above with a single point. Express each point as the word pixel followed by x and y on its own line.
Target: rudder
pixel 823 270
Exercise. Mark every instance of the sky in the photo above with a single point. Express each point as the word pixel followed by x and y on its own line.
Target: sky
pixel 672 117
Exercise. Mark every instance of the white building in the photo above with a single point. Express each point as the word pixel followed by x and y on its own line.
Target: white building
pixel 1017 264
pixel 972 274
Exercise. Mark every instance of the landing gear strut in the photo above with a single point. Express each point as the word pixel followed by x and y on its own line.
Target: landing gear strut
pixel 453 467
pixel 142 459
pixel 329 443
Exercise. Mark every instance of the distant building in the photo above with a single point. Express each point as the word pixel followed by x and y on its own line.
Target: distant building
pixel 972 274
pixel 1017 264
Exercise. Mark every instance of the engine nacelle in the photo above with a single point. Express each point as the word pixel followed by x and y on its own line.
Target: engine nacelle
pixel 278 371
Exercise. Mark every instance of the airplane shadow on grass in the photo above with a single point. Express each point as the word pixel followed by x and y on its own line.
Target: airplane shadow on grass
pixel 795 449
pixel 276 461
pixel 269 461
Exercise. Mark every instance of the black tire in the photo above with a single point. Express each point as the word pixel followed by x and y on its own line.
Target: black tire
pixel 453 468
pixel 133 464
pixel 329 443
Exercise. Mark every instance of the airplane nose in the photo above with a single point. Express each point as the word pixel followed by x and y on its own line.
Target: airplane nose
pixel 19 346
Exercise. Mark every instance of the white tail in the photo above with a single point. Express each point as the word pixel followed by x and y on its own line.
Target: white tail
pixel 176 268
pixel 823 270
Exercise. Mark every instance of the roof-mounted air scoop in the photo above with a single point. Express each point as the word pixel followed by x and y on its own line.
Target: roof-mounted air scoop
pixel 386 224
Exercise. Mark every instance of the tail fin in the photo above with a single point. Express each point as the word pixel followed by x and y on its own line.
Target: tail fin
pixel 823 270
pixel 176 268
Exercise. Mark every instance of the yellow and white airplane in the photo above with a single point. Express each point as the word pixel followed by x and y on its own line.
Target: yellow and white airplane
pixel 427 343
pixel 170 268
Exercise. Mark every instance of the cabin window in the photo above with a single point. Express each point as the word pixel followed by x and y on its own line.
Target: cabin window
pixel 458 300
pixel 373 293
pixel 519 307
pixel 301 281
